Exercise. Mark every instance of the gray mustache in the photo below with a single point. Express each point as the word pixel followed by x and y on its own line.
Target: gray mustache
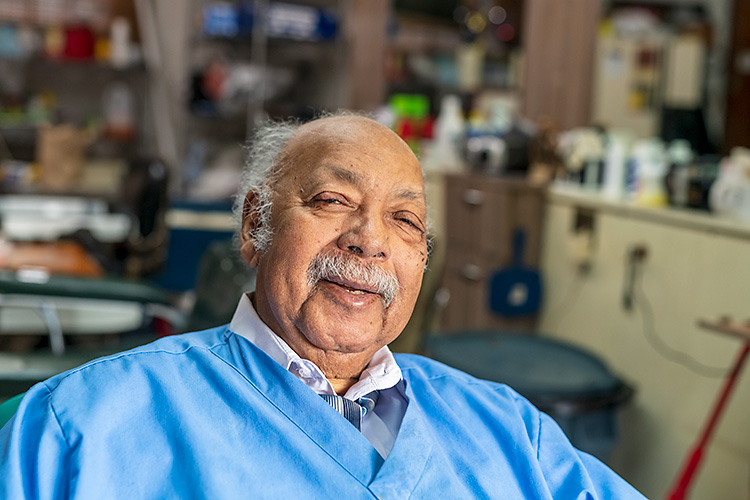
pixel 333 266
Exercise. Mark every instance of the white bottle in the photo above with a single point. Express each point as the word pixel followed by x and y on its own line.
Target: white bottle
pixel 651 167
pixel 449 135
pixel 120 43
pixel 615 162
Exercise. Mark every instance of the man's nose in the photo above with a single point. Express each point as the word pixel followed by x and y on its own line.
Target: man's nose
pixel 366 236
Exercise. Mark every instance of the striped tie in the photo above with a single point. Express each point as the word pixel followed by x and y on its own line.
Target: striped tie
pixel 353 411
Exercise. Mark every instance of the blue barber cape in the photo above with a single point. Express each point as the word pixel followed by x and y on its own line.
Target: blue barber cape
pixel 209 415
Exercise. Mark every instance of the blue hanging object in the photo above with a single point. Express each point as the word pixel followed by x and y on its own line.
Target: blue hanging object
pixel 516 290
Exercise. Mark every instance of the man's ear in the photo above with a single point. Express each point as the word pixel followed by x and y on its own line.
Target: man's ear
pixel 250 222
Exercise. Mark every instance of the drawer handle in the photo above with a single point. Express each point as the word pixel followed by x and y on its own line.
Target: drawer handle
pixel 473 197
pixel 471 272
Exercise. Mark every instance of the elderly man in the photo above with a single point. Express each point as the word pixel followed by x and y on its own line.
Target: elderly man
pixel 334 218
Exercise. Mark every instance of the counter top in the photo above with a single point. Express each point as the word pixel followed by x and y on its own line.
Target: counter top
pixel 676 217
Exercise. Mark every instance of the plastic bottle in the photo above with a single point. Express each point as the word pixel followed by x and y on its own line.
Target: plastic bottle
pixel 677 180
pixel 119 111
pixel 650 168
pixel 449 134
pixel 615 162
pixel 120 42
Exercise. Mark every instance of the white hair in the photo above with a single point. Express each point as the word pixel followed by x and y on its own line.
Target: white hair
pixel 261 170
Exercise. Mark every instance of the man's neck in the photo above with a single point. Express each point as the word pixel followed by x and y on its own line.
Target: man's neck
pixel 341 385
pixel 342 370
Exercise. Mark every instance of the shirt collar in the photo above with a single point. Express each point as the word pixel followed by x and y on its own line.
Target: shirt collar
pixel 382 372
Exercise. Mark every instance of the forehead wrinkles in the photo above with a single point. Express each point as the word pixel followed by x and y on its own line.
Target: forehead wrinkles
pixel 315 150
pixel 366 136
pixel 320 151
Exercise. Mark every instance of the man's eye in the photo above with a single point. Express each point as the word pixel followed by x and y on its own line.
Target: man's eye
pixel 327 200
pixel 410 222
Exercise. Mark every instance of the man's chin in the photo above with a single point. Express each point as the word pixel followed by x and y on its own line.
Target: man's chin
pixel 343 341
pixel 342 327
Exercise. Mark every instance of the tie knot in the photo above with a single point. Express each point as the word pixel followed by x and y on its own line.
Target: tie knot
pixel 368 401
pixel 353 411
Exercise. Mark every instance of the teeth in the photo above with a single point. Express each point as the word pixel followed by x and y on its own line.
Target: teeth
pixel 356 292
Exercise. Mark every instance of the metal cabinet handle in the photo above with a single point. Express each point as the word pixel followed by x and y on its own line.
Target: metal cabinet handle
pixel 473 197
pixel 471 272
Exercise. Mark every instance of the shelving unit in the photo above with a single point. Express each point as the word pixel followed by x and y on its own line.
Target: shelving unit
pixel 302 76
pixel 78 87
pixel 427 45
pixel 70 88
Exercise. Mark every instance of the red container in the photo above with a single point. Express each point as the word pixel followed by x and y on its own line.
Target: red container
pixel 79 42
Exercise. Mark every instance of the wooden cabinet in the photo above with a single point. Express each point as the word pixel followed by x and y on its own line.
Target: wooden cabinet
pixel 559 44
pixel 737 129
pixel 482 214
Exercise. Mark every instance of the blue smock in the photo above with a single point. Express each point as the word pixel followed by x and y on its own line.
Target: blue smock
pixel 209 415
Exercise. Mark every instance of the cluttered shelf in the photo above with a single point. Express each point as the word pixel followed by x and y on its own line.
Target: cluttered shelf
pixel 687 218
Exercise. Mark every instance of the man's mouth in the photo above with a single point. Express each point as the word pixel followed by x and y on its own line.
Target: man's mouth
pixel 353 277
pixel 353 288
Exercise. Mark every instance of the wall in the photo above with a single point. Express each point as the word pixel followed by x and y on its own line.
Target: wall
pixel 689 274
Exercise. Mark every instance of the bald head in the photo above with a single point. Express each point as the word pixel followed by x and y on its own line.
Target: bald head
pixel 276 147
pixel 351 126
pixel 325 135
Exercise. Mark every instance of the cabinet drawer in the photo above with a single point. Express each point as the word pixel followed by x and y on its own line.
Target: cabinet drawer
pixel 482 214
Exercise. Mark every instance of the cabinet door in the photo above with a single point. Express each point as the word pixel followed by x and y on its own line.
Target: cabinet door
pixel 467 281
pixel 465 277
pixel 738 85
pixel 482 215
pixel 465 208
pixel 512 206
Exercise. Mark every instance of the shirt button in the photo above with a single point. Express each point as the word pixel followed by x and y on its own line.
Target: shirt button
pixel 304 373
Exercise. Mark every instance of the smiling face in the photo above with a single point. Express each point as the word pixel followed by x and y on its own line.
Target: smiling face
pixel 349 197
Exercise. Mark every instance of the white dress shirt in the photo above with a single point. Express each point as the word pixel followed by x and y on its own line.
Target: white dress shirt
pixel 379 426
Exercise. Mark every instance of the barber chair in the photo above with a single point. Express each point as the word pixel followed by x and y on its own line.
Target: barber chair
pixel 83 315
pixel 41 296
pixel 103 316
pixel 222 278
pixel 33 303
pixel 144 199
